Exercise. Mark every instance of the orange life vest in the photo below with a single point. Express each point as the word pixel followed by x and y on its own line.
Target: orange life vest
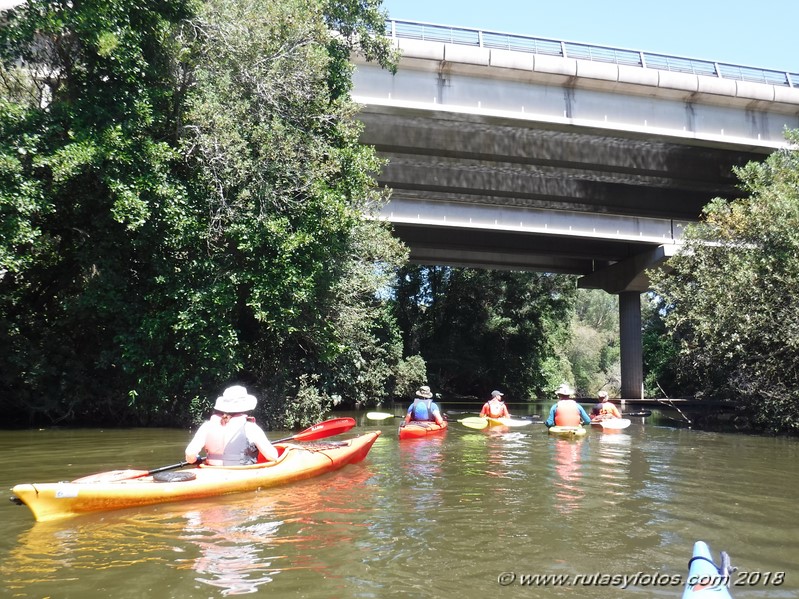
pixel 567 413
pixel 607 409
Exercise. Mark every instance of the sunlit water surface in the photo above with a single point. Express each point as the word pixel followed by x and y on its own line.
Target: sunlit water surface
pixel 444 516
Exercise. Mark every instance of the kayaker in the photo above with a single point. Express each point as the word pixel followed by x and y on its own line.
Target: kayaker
pixel 604 409
pixel 423 407
pixel 495 407
pixel 230 437
pixel 566 412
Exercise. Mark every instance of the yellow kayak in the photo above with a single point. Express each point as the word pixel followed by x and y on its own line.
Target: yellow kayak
pixel 567 431
pixel 509 422
pixel 120 489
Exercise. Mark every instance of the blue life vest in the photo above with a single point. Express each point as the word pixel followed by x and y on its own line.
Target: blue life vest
pixel 422 409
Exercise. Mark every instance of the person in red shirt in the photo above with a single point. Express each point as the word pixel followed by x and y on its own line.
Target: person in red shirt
pixel 495 407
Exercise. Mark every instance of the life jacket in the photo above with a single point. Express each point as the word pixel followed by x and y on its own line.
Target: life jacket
pixel 226 442
pixel 567 413
pixel 496 409
pixel 607 409
pixel 422 409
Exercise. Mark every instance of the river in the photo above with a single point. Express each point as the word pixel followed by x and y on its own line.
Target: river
pixel 445 516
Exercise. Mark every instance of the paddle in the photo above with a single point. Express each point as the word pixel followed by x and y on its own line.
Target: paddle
pixel 613 424
pixel 380 415
pixel 474 422
pixel 478 422
pixel 328 428
pixel 511 422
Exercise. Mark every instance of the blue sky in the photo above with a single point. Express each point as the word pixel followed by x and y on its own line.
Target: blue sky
pixel 756 33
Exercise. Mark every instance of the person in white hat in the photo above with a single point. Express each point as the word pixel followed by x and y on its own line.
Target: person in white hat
pixel 495 407
pixel 230 437
pixel 424 408
pixel 566 412
pixel 604 409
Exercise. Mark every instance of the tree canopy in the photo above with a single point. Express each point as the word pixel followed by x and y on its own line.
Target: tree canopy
pixel 479 330
pixel 184 201
pixel 729 298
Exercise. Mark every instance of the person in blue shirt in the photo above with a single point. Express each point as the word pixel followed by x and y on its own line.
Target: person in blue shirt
pixel 424 408
pixel 566 412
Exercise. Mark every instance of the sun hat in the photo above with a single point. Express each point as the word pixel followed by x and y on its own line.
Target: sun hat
pixel 564 389
pixel 602 395
pixel 424 391
pixel 496 393
pixel 235 399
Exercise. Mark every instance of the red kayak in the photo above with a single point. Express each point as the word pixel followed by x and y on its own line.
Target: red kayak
pixel 417 429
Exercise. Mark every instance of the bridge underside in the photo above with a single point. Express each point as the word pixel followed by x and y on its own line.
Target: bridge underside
pixel 477 191
pixel 471 190
pixel 505 159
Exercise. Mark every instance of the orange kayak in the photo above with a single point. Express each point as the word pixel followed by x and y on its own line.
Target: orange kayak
pixel 416 429
pixel 120 489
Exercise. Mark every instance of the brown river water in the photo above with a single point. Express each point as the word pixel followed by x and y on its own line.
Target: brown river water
pixel 468 514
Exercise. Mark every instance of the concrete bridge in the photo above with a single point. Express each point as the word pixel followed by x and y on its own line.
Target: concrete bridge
pixel 513 152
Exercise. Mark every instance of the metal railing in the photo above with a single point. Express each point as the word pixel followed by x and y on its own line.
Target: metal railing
pixel 535 45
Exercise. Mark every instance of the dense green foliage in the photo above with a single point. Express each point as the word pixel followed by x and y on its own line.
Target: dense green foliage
pixel 480 330
pixel 662 376
pixel 86 173
pixel 593 346
pixel 730 300
pixel 183 198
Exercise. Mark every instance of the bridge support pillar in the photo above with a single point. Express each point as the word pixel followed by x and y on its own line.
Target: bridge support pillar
pixel 631 345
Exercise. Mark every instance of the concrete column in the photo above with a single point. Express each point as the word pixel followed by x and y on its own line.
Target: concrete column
pixel 631 345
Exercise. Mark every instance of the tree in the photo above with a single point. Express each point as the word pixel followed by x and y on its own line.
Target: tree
pixel 87 158
pixel 662 375
pixel 593 348
pixel 729 298
pixel 188 205
pixel 478 330
pixel 288 263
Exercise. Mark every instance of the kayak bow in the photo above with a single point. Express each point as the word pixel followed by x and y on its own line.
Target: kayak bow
pixel 705 578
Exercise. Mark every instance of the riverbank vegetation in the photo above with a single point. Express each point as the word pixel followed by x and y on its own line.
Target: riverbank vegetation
pixel 185 204
pixel 728 301
pixel 184 201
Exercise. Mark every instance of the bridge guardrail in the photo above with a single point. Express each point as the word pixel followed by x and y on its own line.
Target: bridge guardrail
pixel 523 43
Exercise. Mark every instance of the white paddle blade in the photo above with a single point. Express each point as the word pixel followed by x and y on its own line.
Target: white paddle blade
pixel 378 415
pixel 616 424
pixel 511 422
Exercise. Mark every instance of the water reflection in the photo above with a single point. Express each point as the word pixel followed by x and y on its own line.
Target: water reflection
pixel 421 461
pixel 523 501
pixel 230 543
pixel 236 544
pixel 569 491
pixel 613 464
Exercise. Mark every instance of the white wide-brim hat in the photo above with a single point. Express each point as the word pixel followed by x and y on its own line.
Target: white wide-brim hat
pixel 564 389
pixel 235 399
